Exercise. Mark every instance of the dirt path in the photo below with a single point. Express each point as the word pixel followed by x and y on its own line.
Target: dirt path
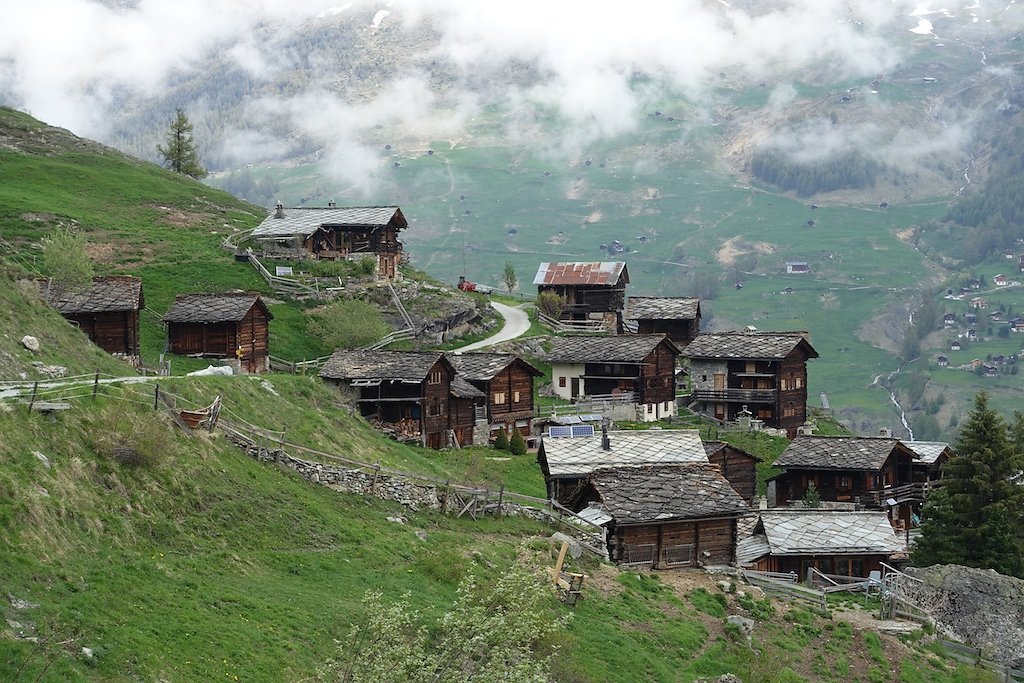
pixel 516 325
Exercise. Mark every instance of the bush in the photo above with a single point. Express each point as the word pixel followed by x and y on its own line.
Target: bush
pixel 501 442
pixel 551 304
pixel 348 324
pixel 517 445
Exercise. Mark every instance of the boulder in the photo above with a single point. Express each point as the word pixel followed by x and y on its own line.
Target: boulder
pixel 30 343
pixel 42 458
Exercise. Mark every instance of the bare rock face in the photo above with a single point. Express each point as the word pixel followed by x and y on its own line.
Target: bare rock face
pixel 978 606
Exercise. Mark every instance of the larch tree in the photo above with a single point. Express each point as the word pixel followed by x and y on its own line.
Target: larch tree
pixel 66 262
pixel 972 519
pixel 180 153
pixel 509 276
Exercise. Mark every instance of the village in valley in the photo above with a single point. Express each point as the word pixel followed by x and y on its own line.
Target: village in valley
pixel 616 427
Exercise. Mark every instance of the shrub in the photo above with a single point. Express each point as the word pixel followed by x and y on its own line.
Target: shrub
pixel 551 304
pixel 501 442
pixel 366 266
pixel 132 439
pixel 517 445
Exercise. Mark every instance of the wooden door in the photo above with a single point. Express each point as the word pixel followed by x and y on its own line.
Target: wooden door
pixel 574 390
pixel 719 381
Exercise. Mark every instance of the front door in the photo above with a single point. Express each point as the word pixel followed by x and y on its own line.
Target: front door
pixel 719 381
pixel 574 389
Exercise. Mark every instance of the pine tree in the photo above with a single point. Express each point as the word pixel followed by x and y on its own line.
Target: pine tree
pixel 501 442
pixel 972 519
pixel 517 445
pixel 180 153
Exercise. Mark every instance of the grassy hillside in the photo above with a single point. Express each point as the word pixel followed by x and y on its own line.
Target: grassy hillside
pixel 201 564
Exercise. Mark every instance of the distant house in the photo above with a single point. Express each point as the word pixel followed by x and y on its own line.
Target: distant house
pixel 1000 280
pixel 331 232
pixel 949 319
pixel 979 302
pixel 971 318
pixel 797 267
pixel 764 371
pixel 1008 254
pixel 954 346
pixel 737 466
pixel 507 383
pixel 834 542
pixel 974 283
pixel 995 316
pixel 1017 325
pixel 678 317
pixel 235 326
pixel 664 516
pixel 929 457
pixel 1020 263
pixel 410 393
pixel 847 469
pixel 567 462
pixel 942 361
pixel 107 312
pixel 990 370
pixel 593 291
pixel 972 334
pixel 638 371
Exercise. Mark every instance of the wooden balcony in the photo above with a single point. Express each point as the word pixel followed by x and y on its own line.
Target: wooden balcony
pixel 736 395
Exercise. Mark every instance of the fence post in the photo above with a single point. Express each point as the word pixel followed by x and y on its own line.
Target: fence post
pixel 444 501
pixel 156 396
pixel 96 384
pixel 376 472
pixel 501 497
pixel 32 401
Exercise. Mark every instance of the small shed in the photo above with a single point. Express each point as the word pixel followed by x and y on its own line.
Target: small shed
pixel 676 316
pixel 834 542
pixel 737 466
pixel 107 311
pixel 234 325
pixel 593 291
pixel 507 383
pixel 930 457
pixel 666 516
pixel 797 267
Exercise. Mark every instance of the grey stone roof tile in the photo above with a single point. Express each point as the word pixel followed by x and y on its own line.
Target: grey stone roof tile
pixel 304 221
pixel 635 495
pixel 410 366
pixel 481 367
pixel 748 345
pixel 837 453
pixel 579 456
pixel 107 293
pixel 213 308
pixel 662 308
pixel 621 348
pixel 803 532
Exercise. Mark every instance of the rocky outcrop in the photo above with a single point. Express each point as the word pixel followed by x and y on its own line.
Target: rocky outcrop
pixel 978 606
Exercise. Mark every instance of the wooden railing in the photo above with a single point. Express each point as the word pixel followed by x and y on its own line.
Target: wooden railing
pixel 785 586
pixel 744 395
pixel 574 326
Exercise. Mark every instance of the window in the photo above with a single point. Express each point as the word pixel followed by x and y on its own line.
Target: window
pixel 799 382
pixel 785 385
pixel 434 409
pixel 650 408
pixel 435 377
pixel 844 482
pixel 561 382
pixel 515 397
pixel 499 397
pixel 750 367
pixel 703 378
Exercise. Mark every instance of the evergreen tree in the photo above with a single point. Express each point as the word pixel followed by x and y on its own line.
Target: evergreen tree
pixel 517 444
pixel 501 442
pixel 972 519
pixel 180 153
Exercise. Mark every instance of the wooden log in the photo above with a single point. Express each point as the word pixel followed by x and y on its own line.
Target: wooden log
pixel 95 384
pixel 31 401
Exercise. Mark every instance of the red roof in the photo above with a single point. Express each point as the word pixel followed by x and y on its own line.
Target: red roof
pixel 590 273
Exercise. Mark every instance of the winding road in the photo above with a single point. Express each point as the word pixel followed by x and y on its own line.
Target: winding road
pixel 516 325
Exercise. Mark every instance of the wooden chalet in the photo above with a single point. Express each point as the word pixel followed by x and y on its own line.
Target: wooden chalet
pixel 676 316
pixel 930 456
pixel 507 383
pixel 593 291
pixel 874 472
pixel 635 369
pixel 764 372
pixel 737 466
pixel 664 516
pixel 842 543
pixel 568 461
pixel 107 312
pixel 464 405
pixel 232 325
pixel 332 232
pixel 409 393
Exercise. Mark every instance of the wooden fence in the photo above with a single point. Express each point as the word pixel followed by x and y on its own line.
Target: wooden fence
pixel 784 586
pixel 574 326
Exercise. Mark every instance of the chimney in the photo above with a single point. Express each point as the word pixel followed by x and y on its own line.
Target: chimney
pixel 885 432
pixel 606 444
pixel 280 211
pixel 331 204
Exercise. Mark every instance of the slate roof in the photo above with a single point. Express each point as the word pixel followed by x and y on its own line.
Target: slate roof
pixel 621 348
pixel 304 221
pixel 460 388
pixel 662 308
pixel 748 345
pixel 827 532
pixel 837 453
pixel 928 451
pixel 408 366
pixel 712 447
pixel 579 456
pixel 213 308
pixel 659 493
pixel 589 273
pixel 107 293
pixel 481 367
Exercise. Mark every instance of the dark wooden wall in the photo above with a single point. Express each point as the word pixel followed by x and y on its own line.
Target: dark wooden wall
pixel 462 419
pixel 658 376
pixel 715 537
pixel 216 340
pixel 845 565
pixel 435 406
pixel 113 331
pixel 514 378
pixel 682 332
pixel 740 469
pixel 791 406
pixel 253 337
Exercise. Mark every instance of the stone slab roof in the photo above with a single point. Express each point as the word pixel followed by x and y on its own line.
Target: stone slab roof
pixel 712 447
pixel 589 273
pixel 748 345
pixel 661 493
pixel 408 366
pixel 108 293
pixel 460 388
pixel 928 451
pixel 662 308
pixel 481 367
pixel 213 308
pixel 621 348
pixel 828 532
pixel 579 456
pixel 837 453
pixel 305 221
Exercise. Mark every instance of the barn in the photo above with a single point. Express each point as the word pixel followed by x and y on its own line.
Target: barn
pixel 107 312
pixel 234 325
